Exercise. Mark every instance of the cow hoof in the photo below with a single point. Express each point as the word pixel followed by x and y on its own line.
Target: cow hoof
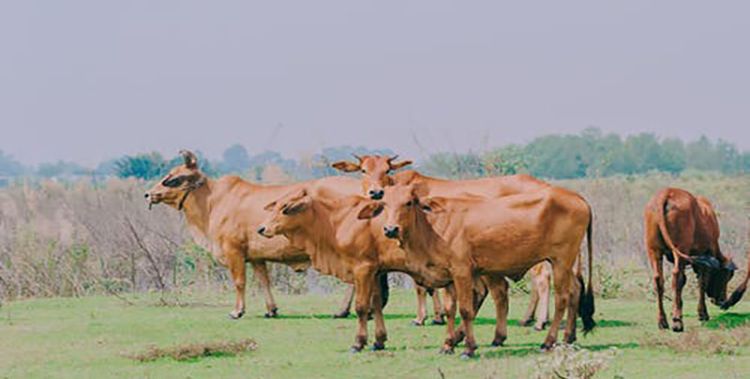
pixel 539 328
pixel 355 349
pixel 663 324
pixel 446 350
pixel 438 321
pixel 417 323
pixel 527 322
pixel 377 346
pixel 677 328
pixel 703 318
pixel 272 314
pixel 498 341
pixel 235 315
pixel 341 314
pixel 466 355
pixel 546 347
pixel 571 340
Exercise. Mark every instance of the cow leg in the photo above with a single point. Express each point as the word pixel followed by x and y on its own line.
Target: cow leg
pixel 480 293
pixel 528 317
pixel 236 262
pixel 702 311
pixel 364 281
pixel 563 277
pixel 450 314
pixel 380 333
pixel 421 305
pixel 655 258
pixel 437 307
pixel 499 290
pixel 573 301
pixel 542 293
pixel 346 304
pixel 678 282
pixel 261 272
pixel 466 305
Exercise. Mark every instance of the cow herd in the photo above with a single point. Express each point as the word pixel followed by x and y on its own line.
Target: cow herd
pixel 465 237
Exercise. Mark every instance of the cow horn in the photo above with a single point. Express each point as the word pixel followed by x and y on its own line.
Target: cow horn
pixel 191 161
pixel 393 158
pixel 358 157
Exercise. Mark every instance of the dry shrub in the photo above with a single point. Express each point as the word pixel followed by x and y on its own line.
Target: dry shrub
pixel 197 350
pixel 701 341
pixel 571 362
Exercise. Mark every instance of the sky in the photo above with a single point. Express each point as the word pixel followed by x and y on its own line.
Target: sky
pixel 91 80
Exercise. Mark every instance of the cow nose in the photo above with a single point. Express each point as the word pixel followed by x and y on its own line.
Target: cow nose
pixel 146 195
pixel 261 230
pixel 391 231
pixel 376 194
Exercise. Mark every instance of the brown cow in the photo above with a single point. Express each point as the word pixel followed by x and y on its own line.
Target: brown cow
pixel 226 213
pixel 329 228
pixel 379 172
pixel 684 229
pixel 463 239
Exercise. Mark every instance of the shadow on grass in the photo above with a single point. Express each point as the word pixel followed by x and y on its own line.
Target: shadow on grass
pixel 728 320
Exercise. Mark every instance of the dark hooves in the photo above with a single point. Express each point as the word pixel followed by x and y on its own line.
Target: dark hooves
pixel 355 349
pixel 446 351
pixel 417 323
pixel 272 314
pixel 377 346
pixel 527 322
pixel 663 324
pixel 466 355
pixel 236 315
pixel 341 315
pixel 545 348
pixel 438 321
pixel 498 342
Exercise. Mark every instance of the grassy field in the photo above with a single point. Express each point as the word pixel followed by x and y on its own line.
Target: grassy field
pixel 96 337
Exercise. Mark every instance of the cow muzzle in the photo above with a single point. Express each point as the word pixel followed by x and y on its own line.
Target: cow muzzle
pixel 376 194
pixel 391 231
pixel 263 231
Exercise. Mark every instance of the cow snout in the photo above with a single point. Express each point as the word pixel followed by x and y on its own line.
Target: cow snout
pixel 376 194
pixel 391 231
pixel 262 230
pixel 146 195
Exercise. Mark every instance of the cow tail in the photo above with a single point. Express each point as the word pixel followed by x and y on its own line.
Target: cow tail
pixel 586 306
pixel 383 285
pixel 662 221
pixel 737 293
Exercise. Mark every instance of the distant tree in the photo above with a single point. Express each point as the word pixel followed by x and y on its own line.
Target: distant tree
pixel 141 166
pixel 9 166
pixel 235 159
pixel 61 169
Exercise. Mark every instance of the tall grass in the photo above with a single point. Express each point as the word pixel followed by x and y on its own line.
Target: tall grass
pixel 77 239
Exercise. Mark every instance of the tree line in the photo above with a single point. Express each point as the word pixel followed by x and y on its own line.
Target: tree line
pixel 590 153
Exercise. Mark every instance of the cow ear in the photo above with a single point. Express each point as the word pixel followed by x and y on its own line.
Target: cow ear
pixel 432 205
pixel 296 207
pixel 270 206
pixel 346 166
pixel 398 165
pixel 191 161
pixel 370 210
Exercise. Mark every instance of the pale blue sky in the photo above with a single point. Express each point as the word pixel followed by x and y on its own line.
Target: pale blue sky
pixel 89 80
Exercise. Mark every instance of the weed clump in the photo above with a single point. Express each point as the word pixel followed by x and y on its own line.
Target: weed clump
pixel 191 351
pixel 571 362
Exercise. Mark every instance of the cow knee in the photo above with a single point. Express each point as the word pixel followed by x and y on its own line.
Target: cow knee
pixel 467 314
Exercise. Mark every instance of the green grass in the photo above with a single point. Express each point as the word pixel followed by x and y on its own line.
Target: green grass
pixel 96 336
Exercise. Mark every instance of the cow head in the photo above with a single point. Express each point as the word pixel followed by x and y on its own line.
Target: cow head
pixel 375 171
pixel 716 276
pixel 286 214
pixel 402 208
pixel 174 188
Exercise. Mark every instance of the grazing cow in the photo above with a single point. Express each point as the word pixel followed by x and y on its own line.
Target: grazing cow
pixel 343 245
pixel 463 239
pixel 684 229
pixel 225 212
pixel 379 172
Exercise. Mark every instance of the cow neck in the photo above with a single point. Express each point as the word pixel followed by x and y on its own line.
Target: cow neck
pixel 321 233
pixel 424 237
pixel 198 206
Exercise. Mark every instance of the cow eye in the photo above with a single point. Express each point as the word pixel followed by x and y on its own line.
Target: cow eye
pixel 364 171
pixel 173 182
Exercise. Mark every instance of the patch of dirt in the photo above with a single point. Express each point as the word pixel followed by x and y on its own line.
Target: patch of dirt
pixel 192 351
